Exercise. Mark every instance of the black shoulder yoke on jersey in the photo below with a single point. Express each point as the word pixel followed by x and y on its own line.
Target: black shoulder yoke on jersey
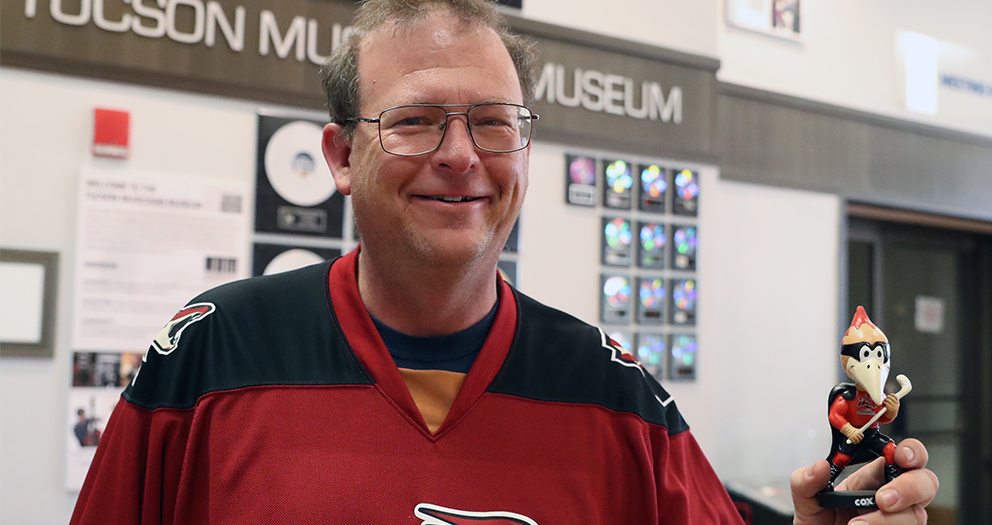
pixel 556 357
pixel 270 330
pixel 280 330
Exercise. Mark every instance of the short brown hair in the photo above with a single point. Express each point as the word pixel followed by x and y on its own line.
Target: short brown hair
pixel 339 75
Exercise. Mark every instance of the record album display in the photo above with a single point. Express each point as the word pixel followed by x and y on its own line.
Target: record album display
pixel 651 353
pixel 686 187
pixel 580 180
pixel 651 245
pixel 615 298
pixel 684 243
pixel 648 253
pixel 295 191
pixel 508 270
pixel 617 240
pixel 654 188
pixel 683 356
pixel 268 259
pixel 618 184
pixel 651 299
pixel 684 301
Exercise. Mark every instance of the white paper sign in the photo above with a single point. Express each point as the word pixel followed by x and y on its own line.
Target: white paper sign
pixel 929 316
pixel 145 246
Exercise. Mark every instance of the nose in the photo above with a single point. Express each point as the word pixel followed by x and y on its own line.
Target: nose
pixel 457 152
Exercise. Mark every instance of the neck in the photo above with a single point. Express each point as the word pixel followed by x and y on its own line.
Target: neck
pixel 424 300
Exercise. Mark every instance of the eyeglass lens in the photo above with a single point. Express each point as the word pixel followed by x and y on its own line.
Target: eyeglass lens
pixel 413 130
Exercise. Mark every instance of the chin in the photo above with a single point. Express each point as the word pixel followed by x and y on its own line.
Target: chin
pixel 454 250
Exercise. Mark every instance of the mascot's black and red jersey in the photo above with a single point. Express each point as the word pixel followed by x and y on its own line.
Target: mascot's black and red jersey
pixel 865 357
pixel 281 404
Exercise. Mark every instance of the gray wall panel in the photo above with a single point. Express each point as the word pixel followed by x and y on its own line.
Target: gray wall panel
pixel 784 141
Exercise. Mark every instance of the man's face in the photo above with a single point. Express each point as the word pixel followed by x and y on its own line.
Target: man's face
pixel 396 199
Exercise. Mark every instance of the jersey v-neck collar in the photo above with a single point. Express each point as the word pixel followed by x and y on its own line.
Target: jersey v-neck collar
pixel 360 333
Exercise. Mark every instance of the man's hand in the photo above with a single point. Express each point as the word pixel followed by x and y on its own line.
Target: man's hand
pixel 900 502
pixel 852 433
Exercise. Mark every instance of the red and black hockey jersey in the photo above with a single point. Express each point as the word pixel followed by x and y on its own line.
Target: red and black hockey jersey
pixel 274 400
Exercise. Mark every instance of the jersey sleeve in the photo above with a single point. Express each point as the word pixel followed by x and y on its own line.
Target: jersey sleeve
pixel 689 490
pixel 134 477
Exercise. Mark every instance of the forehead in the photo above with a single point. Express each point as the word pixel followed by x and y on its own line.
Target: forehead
pixel 440 59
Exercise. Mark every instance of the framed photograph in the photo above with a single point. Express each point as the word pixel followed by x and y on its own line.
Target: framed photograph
pixel 29 280
pixel 779 18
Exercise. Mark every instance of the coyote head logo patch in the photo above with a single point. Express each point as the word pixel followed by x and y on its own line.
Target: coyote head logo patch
pixel 168 337
pixel 436 515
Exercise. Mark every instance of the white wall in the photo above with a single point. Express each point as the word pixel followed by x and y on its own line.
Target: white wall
pixel 46 125
pixel 768 301
pixel 848 55
pixel 685 25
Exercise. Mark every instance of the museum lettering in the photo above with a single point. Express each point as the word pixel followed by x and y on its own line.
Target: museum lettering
pixel 198 22
pixel 609 93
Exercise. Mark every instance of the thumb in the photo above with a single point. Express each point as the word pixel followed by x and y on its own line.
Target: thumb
pixel 805 483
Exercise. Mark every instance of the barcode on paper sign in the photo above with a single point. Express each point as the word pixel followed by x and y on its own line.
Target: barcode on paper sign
pixel 222 265
pixel 230 204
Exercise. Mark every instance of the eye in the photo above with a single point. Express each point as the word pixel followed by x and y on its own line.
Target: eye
pixel 865 352
pixel 878 353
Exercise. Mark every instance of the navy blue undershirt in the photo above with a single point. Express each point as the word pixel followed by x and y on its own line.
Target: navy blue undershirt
pixel 454 352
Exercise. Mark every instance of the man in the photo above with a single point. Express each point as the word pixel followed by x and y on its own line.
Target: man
pixel 404 382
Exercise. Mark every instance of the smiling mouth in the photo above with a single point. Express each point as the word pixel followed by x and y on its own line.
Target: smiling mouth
pixel 450 198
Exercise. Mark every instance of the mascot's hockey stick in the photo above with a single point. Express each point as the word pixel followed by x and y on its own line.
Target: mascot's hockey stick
pixel 906 387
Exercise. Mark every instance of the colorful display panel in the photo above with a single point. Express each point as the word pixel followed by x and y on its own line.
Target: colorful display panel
pixel 651 245
pixel 684 301
pixel 580 180
pixel 618 184
pixel 684 355
pixel 686 192
pixel 617 241
pixel 652 355
pixel 654 188
pixel 684 243
pixel 615 299
pixel 651 299
pixel 621 337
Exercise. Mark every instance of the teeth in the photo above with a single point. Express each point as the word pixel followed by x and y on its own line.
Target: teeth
pixel 449 198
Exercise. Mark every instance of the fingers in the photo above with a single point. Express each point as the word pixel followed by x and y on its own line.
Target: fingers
pixel 911 454
pixel 805 483
pixel 914 515
pixel 868 477
pixel 912 488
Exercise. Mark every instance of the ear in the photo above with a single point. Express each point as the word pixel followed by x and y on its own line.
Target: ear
pixel 337 154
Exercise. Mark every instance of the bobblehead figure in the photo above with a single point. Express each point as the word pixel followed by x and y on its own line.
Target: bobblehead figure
pixel 855 411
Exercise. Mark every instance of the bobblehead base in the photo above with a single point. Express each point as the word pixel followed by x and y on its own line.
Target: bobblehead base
pixel 847 499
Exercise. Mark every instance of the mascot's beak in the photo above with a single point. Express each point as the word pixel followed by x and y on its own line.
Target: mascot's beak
pixel 870 375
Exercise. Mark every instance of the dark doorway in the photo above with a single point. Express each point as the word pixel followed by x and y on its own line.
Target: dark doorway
pixel 927 283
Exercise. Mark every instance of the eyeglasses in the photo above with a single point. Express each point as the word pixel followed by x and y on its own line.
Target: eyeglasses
pixel 417 129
